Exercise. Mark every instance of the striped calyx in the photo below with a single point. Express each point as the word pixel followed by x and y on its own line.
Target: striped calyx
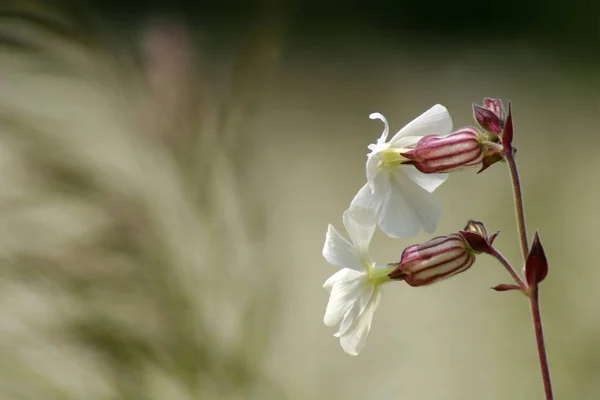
pixel 458 151
pixel 433 261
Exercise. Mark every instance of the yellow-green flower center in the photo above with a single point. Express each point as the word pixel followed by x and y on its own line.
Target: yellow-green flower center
pixel 391 158
pixel 378 276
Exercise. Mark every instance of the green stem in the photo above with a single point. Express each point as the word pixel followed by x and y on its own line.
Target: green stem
pixel 516 183
pixel 498 256
pixel 532 291
pixel 539 337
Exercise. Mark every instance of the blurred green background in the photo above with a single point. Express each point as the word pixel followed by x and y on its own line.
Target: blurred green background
pixel 169 170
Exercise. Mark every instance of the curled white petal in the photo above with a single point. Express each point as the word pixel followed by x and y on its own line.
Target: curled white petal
pixel 386 129
pixel 339 252
pixel 358 307
pixel 345 289
pixel 333 279
pixel 354 336
pixel 436 120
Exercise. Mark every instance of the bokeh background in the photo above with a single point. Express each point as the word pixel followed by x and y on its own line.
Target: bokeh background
pixel 168 171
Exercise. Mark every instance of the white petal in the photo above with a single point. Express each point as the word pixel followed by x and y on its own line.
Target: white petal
pixel 381 185
pixel 338 252
pixel 362 216
pixel 360 222
pixel 386 129
pixel 429 182
pixel 408 208
pixel 366 198
pixel 436 120
pixel 354 338
pixel 372 165
pixel 358 307
pixel 405 141
pixel 342 274
pixel 345 291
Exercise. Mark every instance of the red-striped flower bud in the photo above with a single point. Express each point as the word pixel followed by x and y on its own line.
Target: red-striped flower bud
pixel 433 261
pixel 458 151
pixel 495 106
pixel 491 115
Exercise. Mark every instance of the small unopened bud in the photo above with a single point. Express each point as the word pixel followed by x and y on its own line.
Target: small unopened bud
pixel 433 261
pixel 536 266
pixel 475 234
pixel 495 106
pixel 505 287
pixel 507 134
pixel 458 151
pixel 476 227
pixel 490 116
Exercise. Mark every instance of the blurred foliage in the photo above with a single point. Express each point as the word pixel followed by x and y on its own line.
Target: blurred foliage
pixel 132 227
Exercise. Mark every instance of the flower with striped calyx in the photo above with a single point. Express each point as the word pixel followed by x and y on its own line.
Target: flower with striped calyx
pixel 458 151
pixel 441 257
pixel 355 290
pixel 400 194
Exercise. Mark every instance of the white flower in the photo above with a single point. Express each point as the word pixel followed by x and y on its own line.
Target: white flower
pixel 355 290
pixel 400 194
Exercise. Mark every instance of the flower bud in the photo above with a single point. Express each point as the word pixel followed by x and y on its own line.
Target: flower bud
pixel 476 227
pixel 491 116
pixel 536 266
pixel 495 106
pixel 437 259
pixel 456 152
pixel 475 234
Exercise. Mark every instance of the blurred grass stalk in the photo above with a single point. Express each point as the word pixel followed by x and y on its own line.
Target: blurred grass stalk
pixel 132 236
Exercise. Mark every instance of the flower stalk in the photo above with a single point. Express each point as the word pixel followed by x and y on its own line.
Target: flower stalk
pixel 492 118
pixel 534 259
pixel 541 344
pixel 519 208
pixel 498 256
pixel 531 289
